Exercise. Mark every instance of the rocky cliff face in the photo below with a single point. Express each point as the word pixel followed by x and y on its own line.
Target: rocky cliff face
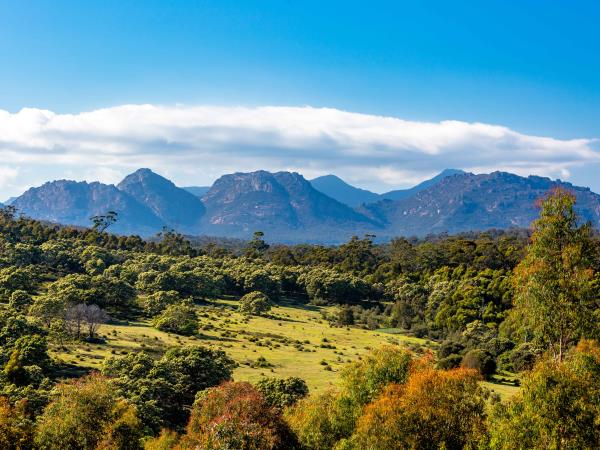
pixel 281 204
pixel 176 207
pixel 467 202
pixel 73 203
pixel 289 209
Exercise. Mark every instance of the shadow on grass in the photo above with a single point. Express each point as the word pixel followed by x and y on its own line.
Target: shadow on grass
pixel 501 381
pixel 216 338
pixel 66 370
pixel 298 305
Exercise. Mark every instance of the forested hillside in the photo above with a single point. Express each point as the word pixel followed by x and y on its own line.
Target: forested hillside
pixel 116 342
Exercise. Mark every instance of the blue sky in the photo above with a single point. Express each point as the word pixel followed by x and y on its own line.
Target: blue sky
pixel 530 66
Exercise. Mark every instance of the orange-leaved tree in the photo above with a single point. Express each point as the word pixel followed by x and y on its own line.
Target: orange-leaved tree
pixel 235 415
pixel 433 409
pixel 16 426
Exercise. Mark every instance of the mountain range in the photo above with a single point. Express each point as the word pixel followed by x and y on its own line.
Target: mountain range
pixel 289 208
pixel 338 189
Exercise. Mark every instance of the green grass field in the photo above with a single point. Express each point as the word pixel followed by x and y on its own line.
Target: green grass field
pixel 503 384
pixel 294 341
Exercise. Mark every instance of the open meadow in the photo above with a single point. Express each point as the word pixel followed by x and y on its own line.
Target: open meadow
pixel 293 340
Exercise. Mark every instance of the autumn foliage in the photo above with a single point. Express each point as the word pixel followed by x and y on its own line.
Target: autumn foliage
pixel 16 427
pixel 433 409
pixel 235 415
pixel 86 414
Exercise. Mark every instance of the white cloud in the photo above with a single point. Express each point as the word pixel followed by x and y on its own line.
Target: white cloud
pixel 7 175
pixel 195 144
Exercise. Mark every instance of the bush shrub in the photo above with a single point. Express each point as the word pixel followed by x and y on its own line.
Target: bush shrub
pixel 255 303
pixel 481 361
pixel 179 319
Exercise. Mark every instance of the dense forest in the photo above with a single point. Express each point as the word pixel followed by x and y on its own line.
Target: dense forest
pixel 525 303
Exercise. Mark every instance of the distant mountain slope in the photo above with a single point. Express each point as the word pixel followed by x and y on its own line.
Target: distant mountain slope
pixel 343 192
pixel 176 207
pixel 338 189
pixel 404 193
pixel 73 203
pixel 475 202
pixel 282 204
pixel 198 191
pixel 289 209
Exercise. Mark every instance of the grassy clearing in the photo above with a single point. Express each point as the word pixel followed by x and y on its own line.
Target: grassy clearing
pixel 503 383
pixel 294 341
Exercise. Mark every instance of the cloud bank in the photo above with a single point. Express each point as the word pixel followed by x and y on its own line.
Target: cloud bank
pixel 195 144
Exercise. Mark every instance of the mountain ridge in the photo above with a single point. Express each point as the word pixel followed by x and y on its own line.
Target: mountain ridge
pixel 398 194
pixel 469 202
pixel 288 208
pixel 280 204
pixel 75 202
pixel 198 191
pixel 176 207
pixel 338 189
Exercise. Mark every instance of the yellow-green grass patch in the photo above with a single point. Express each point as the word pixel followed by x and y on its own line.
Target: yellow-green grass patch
pixel 294 339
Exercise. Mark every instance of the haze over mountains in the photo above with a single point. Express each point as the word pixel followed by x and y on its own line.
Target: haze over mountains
pixel 288 208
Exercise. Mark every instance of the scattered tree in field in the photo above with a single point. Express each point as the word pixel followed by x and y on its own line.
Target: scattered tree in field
pixel 255 303
pixel 86 319
pixel 236 415
pixel 556 298
pixel 179 318
pixel 345 316
pixel 87 414
pixel 282 392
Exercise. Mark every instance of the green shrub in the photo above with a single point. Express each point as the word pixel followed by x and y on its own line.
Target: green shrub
pixel 450 362
pixel 179 318
pixel 255 303
pixel 481 361
pixel 156 302
pixel 282 392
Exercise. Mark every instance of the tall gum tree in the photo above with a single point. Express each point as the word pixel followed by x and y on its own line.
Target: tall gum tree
pixel 556 297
